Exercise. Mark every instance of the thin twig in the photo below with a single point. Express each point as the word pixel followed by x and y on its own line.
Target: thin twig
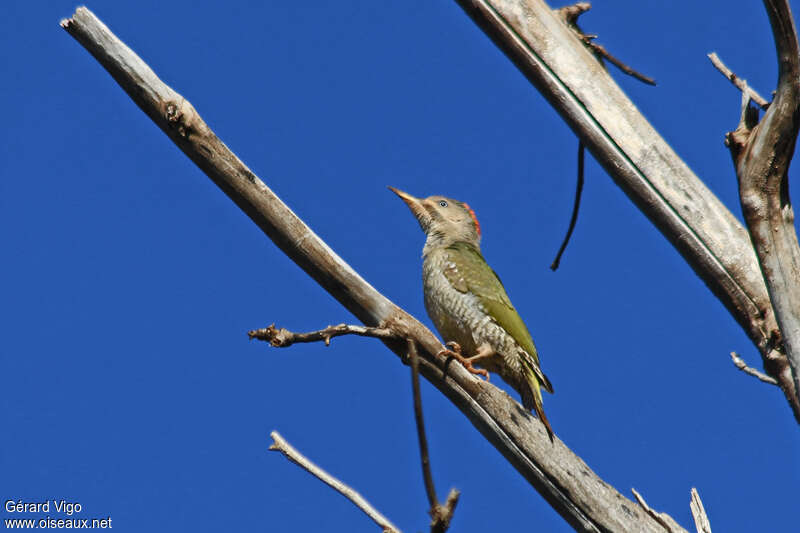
pixel 740 83
pixel 741 365
pixel 281 338
pixel 659 517
pixel 300 460
pixel 599 49
pixel 575 207
pixel 440 514
pixel 427 477
pixel 699 513
pixel 570 14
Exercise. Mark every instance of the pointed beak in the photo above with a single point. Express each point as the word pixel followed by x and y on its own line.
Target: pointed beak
pixel 415 204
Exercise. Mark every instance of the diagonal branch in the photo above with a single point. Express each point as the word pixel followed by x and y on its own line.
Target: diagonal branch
pixel 280 445
pixel 739 83
pixel 761 154
pixel 645 167
pixel 741 365
pixel 584 500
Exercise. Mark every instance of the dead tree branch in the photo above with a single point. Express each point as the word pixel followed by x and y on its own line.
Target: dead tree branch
pixel 570 16
pixel 701 521
pixel 440 514
pixel 561 477
pixel 280 445
pixel 644 166
pixel 741 365
pixel 282 338
pixel 662 518
pixel 761 155
pixel 739 83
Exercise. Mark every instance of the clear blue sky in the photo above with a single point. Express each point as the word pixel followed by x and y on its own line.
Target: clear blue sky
pixel 128 384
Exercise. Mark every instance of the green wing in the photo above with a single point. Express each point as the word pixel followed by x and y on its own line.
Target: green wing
pixel 469 272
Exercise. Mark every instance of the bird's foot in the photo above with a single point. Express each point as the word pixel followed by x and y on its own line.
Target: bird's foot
pixel 454 350
pixel 454 347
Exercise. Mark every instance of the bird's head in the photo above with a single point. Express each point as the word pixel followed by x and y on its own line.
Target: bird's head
pixel 443 220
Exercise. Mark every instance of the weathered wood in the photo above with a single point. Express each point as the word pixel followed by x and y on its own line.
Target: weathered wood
pixel 563 479
pixel 644 166
pixel 762 155
pixel 701 522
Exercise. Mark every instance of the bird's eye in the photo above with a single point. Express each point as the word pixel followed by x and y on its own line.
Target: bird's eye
pixel 442 203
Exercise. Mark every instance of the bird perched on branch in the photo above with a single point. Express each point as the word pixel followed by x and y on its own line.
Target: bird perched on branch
pixel 468 304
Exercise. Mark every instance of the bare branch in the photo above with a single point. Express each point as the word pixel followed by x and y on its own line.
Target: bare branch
pixel 280 445
pixel 282 338
pixel 427 477
pixel 761 154
pixel 575 208
pixel 561 477
pixel 570 15
pixel 664 519
pixel 645 167
pixel 440 514
pixel 740 83
pixel 741 365
pixel 600 50
pixel 699 513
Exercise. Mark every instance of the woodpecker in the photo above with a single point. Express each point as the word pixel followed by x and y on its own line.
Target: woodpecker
pixel 468 304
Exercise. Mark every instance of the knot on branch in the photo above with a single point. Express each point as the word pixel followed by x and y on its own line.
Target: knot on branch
pixel 180 116
pixel 775 341
pixel 737 140
pixel 278 338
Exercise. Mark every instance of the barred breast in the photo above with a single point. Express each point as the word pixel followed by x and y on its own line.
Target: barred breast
pixel 460 317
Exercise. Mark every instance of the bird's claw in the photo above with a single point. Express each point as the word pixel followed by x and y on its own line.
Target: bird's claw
pixel 477 371
pixel 454 347
pixel 454 350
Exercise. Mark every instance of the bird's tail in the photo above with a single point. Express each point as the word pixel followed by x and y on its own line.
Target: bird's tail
pixel 532 399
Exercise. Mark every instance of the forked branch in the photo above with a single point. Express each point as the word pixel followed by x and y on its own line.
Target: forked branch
pixel 762 152
pixel 637 158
